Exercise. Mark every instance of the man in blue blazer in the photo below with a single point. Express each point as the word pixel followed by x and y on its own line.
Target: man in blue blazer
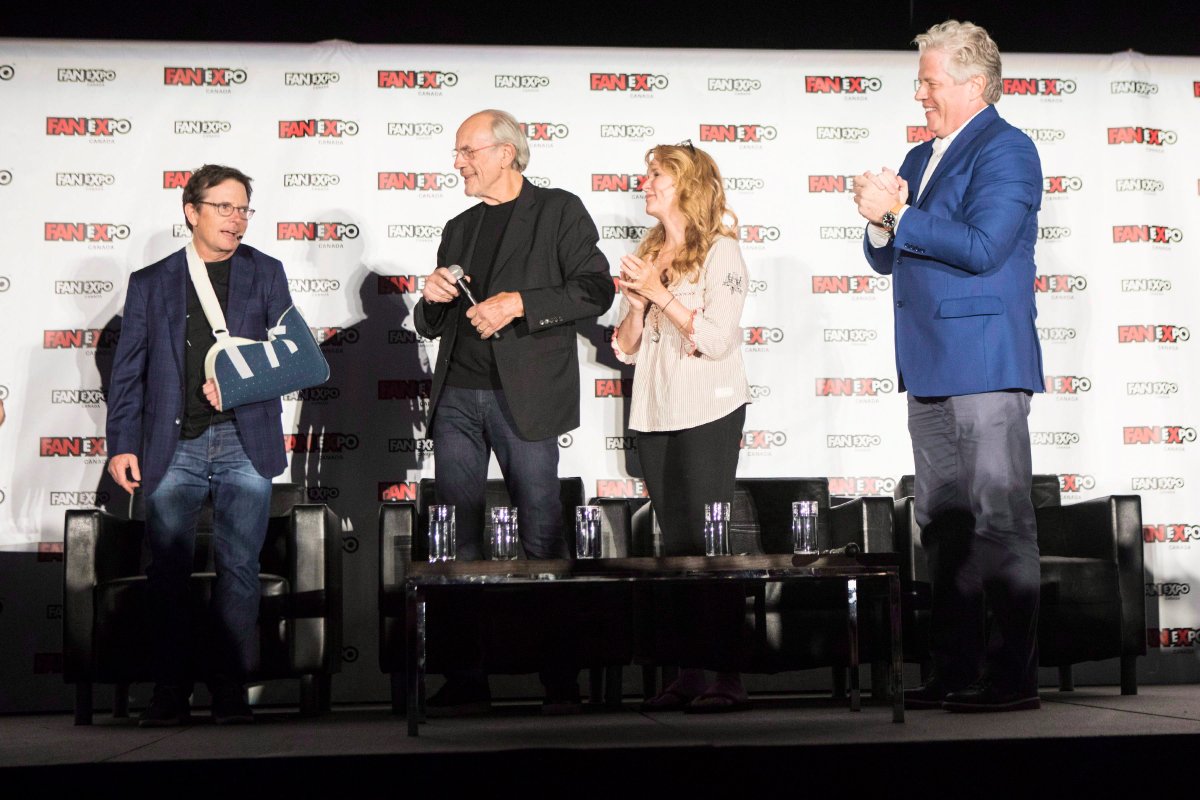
pixel 167 434
pixel 956 229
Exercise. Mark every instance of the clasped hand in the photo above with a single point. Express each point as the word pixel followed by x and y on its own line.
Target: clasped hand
pixel 640 282
pixel 876 194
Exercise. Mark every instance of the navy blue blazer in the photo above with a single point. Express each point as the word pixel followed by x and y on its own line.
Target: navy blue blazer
pixel 962 265
pixel 146 392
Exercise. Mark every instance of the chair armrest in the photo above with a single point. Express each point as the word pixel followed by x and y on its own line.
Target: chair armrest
pixel 397 524
pixel 96 547
pixel 865 521
pixel 1081 530
pixel 315 575
pixel 913 566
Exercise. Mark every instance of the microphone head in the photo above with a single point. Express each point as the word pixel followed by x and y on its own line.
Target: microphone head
pixel 455 271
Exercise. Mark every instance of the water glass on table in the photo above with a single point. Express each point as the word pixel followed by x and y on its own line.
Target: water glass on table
pixel 504 533
pixel 587 532
pixel 441 533
pixel 804 526
pixel 716 529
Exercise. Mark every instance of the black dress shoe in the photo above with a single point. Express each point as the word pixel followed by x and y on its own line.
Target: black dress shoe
pixel 229 706
pixel 983 696
pixel 459 698
pixel 168 707
pixel 927 697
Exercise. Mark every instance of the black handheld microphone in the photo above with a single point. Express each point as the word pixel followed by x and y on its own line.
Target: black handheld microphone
pixel 456 272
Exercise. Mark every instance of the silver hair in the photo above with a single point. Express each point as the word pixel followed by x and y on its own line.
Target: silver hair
pixel 971 52
pixel 507 130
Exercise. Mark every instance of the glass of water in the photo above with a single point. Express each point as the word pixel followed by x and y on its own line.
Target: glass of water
pixel 716 529
pixel 504 533
pixel 587 532
pixel 441 533
pixel 804 526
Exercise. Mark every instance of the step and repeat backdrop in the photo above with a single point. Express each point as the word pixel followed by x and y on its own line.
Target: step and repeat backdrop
pixel 349 147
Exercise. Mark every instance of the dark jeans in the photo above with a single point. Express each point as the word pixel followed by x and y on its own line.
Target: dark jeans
pixel 466 425
pixel 974 473
pixel 215 463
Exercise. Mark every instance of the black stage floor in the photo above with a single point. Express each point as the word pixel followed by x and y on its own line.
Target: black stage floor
pixel 1092 738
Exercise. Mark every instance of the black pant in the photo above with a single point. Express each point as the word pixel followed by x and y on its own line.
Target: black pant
pixel 695 626
pixel 685 469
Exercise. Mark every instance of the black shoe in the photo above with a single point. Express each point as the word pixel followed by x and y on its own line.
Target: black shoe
pixel 459 698
pixel 562 701
pixel 983 696
pixel 229 706
pixel 929 696
pixel 168 708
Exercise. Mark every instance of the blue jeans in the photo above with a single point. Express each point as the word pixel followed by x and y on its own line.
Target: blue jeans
pixel 213 463
pixel 469 422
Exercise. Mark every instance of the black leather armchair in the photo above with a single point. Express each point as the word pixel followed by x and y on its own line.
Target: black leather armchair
pixel 105 631
pixel 1093 603
pixel 518 629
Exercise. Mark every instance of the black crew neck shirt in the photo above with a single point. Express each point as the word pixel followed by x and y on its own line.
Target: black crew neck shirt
pixel 472 364
pixel 198 415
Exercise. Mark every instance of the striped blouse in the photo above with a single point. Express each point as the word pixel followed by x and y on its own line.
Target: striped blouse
pixel 684 381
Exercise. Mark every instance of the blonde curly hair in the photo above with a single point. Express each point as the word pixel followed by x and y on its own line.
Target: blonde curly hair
pixel 700 195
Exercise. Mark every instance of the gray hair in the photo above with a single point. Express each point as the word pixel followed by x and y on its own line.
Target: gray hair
pixel 507 130
pixel 970 52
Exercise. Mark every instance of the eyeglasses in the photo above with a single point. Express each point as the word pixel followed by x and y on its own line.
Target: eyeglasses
pixel 226 209
pixel 468 153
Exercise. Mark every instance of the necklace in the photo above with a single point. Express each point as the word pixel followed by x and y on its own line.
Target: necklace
pixel 655 334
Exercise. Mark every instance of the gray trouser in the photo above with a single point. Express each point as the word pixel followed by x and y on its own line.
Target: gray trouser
pixel 974 473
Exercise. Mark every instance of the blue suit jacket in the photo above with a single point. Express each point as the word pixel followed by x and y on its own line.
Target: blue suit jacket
pixel 962 265
pixel 146 392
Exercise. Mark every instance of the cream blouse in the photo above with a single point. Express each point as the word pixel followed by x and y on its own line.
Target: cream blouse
pixel 684 381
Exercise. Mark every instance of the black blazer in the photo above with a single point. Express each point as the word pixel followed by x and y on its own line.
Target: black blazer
pixel 548 253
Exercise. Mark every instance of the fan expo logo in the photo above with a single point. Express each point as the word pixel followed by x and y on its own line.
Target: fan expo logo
pixel 317 286
pixel 310 180
pixel 1176 435
pixel 842 133
pixel 1151 137
pixel 1069 385
pixel 1170 533
pixel 329 445
pixel 72 447
pixel 423 80
pixel 398 491
pixel 621 487
pixel 415 391
pixel 734 85
pixel 917 134
pixel 862 485
pixel 851 85
pixel 630 233
pixel 761 443
pixel 176 178
pixel 319 395
pixel 415 130
pixel 82 180
pixel 322 129
pixel 424 233
pixel 759 338
pixel 849 335
pixel 97 234
pixel 743 185
pixel 1063 440
pixel 527 82
pixel 1151 388
pixel 748 133
pixel 1044 135
pixel 319 80
pixel 852 441
pixel 854 387
pixel 91 76
pixel 1152 334
pixel 1074 483
pixel 1152 234
pixel 1139 88
pixel 615 131
pixel 325 234
pixel 202 127
pixel 1053 233
pixel 422 448
pixel 830 183
pixel 418 181
pixel 635 82
pixel 1038 87
pixel 87 339
pixel 88 398
pixel 1061 184
pixel 79 499
pixel 850 284
pixel 93 289
pixel 1156 483
pixel 399 284
pixel 333 339
pixel 217 80
pixel 1145 185
pixel 1057 335
pixel 93 127
pixel 617 182
pixel 841 233
pixel 538 132
pixel 1059 285
pixel 757 234
pixel 613 387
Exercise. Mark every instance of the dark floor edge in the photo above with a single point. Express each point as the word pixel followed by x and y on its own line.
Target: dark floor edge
pixel 1035 765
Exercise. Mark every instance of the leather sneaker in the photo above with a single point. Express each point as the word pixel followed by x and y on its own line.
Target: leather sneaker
pixel 925 698
pixel 983 696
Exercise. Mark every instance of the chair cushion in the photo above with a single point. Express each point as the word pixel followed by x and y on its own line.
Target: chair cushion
pixel 1080 615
